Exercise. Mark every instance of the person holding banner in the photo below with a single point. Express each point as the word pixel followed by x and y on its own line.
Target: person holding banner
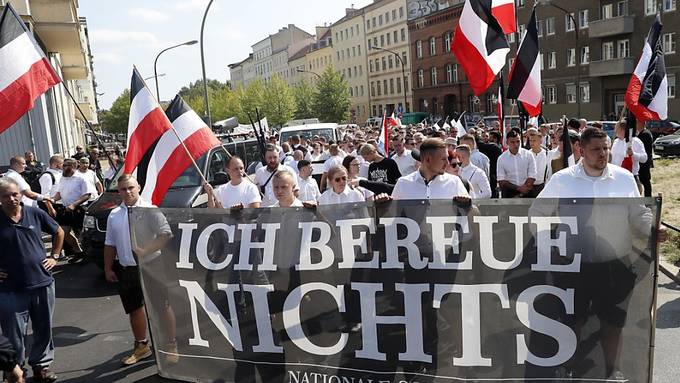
pixel 283 187
pixel 121 256
pixel 516 169
pixel 265 174
pixel 235 194
pixel 339 192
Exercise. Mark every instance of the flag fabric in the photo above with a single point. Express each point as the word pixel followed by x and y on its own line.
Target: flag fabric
pixel 504 12
pixel 146 124
pixel 647 93
pixel 170 158
pixel 393 121
pixel 480 45
pixel 25 72
pixel 383 140
pixel 627 162
pixel 460 129
pixel 525 75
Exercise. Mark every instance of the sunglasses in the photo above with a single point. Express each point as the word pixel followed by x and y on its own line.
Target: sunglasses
pixel 455 164
pixel 340 179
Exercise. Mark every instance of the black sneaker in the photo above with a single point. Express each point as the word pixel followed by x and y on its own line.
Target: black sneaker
pixel 44 375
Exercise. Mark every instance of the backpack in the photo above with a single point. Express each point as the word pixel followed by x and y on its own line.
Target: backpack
pixel 35 182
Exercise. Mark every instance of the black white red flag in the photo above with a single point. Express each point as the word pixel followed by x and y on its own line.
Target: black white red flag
pixel 480 44
pixel 647 94
pixel 146 123
pixel 504 12
pixel 25 72
pixel 170 158
pixel 525 75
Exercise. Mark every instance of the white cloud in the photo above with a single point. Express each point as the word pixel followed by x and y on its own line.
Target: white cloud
pixel 149 15
pixel 194 5
pixel 107 57
pixel 111 36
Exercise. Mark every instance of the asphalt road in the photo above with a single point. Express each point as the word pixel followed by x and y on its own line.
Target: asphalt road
pixel 92 334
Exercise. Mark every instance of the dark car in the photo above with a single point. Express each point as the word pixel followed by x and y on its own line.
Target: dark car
pixel 186 191
pixel 668 145
pixel 662 128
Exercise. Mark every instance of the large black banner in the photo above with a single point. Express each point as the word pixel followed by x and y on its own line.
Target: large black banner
pixel 406 291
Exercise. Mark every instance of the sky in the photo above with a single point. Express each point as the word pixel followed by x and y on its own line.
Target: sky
pixel 124 33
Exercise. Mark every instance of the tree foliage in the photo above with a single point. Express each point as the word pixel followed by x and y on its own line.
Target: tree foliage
pixel 304 100
pixel 331 101
pixel 278 102
pixel 115 120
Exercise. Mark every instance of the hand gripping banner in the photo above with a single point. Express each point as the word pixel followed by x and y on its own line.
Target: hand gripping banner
pixel 408 291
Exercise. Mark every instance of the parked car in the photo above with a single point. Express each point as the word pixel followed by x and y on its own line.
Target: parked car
pixel 328 131
pixel 662 128
pixel 186 191
pixel 668 145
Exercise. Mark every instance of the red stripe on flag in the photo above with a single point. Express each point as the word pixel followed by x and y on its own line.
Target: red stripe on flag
pixel 505 14
pixel 479 73
pixel 533 111
pixel 198 144
pixel 640 112
pixel 19 97
pixel 152 126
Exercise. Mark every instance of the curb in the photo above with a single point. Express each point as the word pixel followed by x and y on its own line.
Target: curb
pixel 670 270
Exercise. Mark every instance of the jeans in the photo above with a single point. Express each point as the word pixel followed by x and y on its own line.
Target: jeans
pixel 16 308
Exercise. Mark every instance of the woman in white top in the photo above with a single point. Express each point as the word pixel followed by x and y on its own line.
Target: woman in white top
pixel 622 149
pixel 339 192
pixel 283 184
pixel 352 165
pixel 237 193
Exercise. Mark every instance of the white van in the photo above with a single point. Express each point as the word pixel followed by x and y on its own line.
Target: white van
pixel 329 131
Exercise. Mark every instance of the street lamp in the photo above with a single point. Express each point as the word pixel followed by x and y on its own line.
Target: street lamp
pixel 318 76
pixel 403 69
pixel 154 77
pixel 155 63
pixel 577 52
pixel 205 80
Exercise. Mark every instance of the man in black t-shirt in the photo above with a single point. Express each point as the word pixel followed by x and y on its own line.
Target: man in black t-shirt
pixel 493 150
pixel 645 173
pixel 383 173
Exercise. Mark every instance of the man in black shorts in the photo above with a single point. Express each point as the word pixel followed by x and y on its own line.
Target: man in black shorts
pixel 120 262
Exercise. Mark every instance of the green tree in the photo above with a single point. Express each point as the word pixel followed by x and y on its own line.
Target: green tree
pixel 304 100
pixel 218 93
pixel 331 100
pixel 250 98
pixel 115 120
pixel 278 103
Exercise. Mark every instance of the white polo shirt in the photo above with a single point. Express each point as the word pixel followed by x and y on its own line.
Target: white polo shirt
pixel 406 163
pixel 91 179
pixel 620 149
pixel 480 160
pixel 477 178
pixel 296 203
pixel 244 193
pixel 573 182
pixel 413 186
pixel 330 197
pixel 543 166
pixel 118 231
pixel 332 161
pixel 71 189
pixel 23 185
pixel 516 168
pixel 261 177
pixel 47 187
pixel 309 189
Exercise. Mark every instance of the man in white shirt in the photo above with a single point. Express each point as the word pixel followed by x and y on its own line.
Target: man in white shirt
pixel 309 189
pixel 406 163
pixel 238 193
pixel 633 148
pixel 334 160
pixel 542 158
pixel 51 177
pixel 478 158
pixel 284 183
pixel 120 265
pixel 516 169
pixel 473 174
pixel 94 186
pixel 73 192
pixel 264 175
pixel 17 165
pixel 431 181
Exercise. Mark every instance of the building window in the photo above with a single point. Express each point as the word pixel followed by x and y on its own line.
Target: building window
pixel 384 63
pixel 380 20
pixel 391 86
pixel 351 92
pixel 571 57
pixel 539 26
pixel 449 73
pixel 569 22
pixel 398 84
pixel 368 24
pixel 394 14
pixel 520 30
pixel 552 60
pixel 585 55
pixel 403 58
pixel 552 94
pixel 447 42
pixel 377 65
pixel 669 43
pixel 433 46
pixel 520 3
pixel 387 17
pixel 362 90
pixel 395 37
pixel 583 19
pixel 571 93
pixel 421 78
pixel 651 7
pixel 382 40
pixel 585 92
pixel 401 12
pixel 433 76
pixel 623 48
pixel 671 86
pixel 622 8
pixel 385 87
pixel 540 59
pixel 550 26
pixel 390 62
pixel 377 85
pixel 375 41
pixel 668 5
pixel 388 38
pixel 419 49
pixel 607 11
pixel 359 49
pixel 403 34
pixel 372 89
pixel 607 51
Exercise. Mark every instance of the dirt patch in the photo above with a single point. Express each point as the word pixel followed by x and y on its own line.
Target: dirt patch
pixel 666 180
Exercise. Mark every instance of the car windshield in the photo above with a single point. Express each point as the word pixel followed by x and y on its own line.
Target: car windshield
pixel 188 178
pixel 309 133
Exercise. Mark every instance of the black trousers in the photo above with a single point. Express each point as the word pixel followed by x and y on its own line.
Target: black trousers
pixel 645 176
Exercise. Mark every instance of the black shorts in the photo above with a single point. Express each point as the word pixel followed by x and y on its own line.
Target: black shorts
pixel 130 288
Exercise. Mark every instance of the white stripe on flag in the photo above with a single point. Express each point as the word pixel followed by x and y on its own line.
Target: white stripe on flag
pixel 643 64
pixel 186 125
pixel 498 3
pixel 531 93
pixel 475 31
pixel 143 103
pixel 660 102
pixel 16 58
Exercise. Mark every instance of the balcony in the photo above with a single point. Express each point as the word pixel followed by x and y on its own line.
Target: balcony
pixel 613 67
pixel 610 27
